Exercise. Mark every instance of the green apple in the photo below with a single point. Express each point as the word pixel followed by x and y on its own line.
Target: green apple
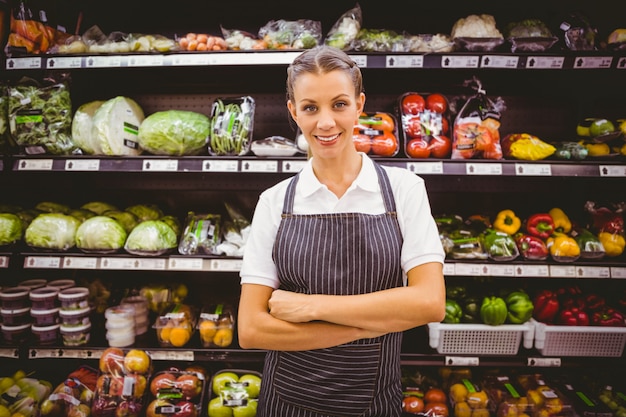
pixel 252 384
pixel 244 411
pixel 4 411
pixel 601 127
pixel 6 383
pixel 223 379
pixel 217 409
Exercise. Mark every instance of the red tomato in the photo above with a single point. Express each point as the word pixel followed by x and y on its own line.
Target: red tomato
pixel 413 103
pixel 440 146
pixel 412 404
pixel 417 148
pixel 444 126
pixel 362 143
pixel 385 144
pixel 436 409
pixel 384 121
pixel 437 103
pixel 435 395
pixel 412 126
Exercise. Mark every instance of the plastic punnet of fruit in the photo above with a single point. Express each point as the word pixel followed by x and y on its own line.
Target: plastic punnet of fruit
pixel 234 392
pixel 467 399
pixel 175 327
pixel 216 326
pixel 178 393
pixel 376 134
pixel 544 397
pixel 505 398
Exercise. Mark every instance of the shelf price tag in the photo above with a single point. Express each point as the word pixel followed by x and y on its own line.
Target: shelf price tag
pixel 145 60
pixel 64 62
pixel 185 264
pixel 4 261
pixel 259 166
pixel 104 61
pixel 461 361
pixel 425 167
pixel 545 62
pixel 449 269
pixel 612 170
pixel 24 63
pixel 487 168
pixel 133 264
pixel 532 271
pixel 159 165
pixel 544 362
pixel 82 165
pixel 460 61
pixel 562 271
pixel 46 353
pixel 45 262
pixel 468 269
pixel 78 262
pixel 9 353
pixel 190 59
pixel 232 265
pixel 172 355
pixel 593 272
pixel 533 169
pixel 498 270
pixel 34 164
pixel 404 61
pixel 592 62
pixel 618 272
pixel 293 166
pixel 222 165
pixel 499 61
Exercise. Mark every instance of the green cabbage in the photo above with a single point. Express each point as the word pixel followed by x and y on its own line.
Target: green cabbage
pixel 11 228
pixel 145 211
pixel 174 133
pixel 82 128
pixel 98 207
pixel 81 214
pixel 52 231
pixel 100 234
pixel 152 237
pixel 172 222
pixel 127 219
pixel 115 127
pixel 52 207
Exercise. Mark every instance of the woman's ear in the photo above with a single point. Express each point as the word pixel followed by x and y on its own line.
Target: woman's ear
pixel 292 110
pixel 360 105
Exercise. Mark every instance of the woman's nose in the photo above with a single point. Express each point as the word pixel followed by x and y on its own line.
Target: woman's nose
pixel 326 120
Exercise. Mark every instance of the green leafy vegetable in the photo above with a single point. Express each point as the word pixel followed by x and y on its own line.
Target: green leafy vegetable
pixel 55 231
pixel 98 207
pixel 100 234
pixel 11 228
pixel 127 219
pixel 151 237
pixel 174 133
pixel 231 126
pixel 145 211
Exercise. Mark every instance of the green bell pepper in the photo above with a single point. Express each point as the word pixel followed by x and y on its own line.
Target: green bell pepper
pixel 453 312
pixel 455 292
pixel 471 310
pixel 500 246
pixel 493 311
pixel 519 306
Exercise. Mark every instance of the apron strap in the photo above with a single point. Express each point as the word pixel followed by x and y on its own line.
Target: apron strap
pixel 290 195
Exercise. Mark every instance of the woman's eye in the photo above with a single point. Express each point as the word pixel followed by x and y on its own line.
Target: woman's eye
pixel 309 108
pixel 340 104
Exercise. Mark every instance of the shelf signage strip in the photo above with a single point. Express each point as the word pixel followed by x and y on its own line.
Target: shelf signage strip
pixel 82 165
pixel 499 61
pixel 544 362
pixel 533 170
pixel 460 61
pixel 618 272
pixel 425 167
pixel 34 164
pixel 461 361
pixel 4 261
pixel 404 61
pixel 172 355
pixel 42 262
pixel 612 170
pixel 595 62
pixel 220 165
pixel 159 165
pixel 545 62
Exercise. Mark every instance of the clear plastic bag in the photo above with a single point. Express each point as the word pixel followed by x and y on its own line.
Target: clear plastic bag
pixel 291 34
pixel 232 120
pixel 345 29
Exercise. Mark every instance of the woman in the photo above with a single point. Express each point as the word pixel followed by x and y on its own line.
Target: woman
pixel 341 259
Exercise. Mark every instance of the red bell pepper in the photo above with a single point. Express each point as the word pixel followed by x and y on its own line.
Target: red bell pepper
pixel 546 306
pixel 608 316
pixel 594 302
pixel 540 225
pixel 574 317
pixel 531 247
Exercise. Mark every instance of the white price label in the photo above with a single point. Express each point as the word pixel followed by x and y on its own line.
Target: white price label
pixel 544 362
pixel 618 272
pixel 468 269
pixel 232 265
pixel 593 272
pixel 23 63
pixel 104 61
pixel 360 60
pixel 82 165
pixel 460 61
pixel 171 355
pixel 532 271
pixel 34 164
pixel 220 165
pixel 562 271
pixel 145 60
pixel 119 263
pixel 533 170
pixel 449 269
pixel 77 262
pixel 9 353
pixel 593 62
pixel 612 170
pixel 293 166
pixel 404 61
pixel 46 262
pixel 185 264
pixel 488 168
pixel 259 166
pixel 45 353
pixel 160 165
pixel 425 167
pixel 64 62
pixel 499 270
pixel 151 264
pixel 190 59
pixel 545 62
pixel 4 261
pixel 461 361
pixel 499 61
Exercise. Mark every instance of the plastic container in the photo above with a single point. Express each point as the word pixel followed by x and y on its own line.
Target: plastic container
pixel 216 326
pixel 376 134
pixel 62 284
pixel 74 298
pixel 241 387
pixel 120 325
pixel 45 317
pixel 175 327
pixel 33 283
pixel 480 339
pixel 120 337
pixel 80 317
pixel 44 298
pixel 75 335
pixel 139 305
pixel 15 334
pixel 46 335
pixel 16 317
pixel 14 298
pixel 187 388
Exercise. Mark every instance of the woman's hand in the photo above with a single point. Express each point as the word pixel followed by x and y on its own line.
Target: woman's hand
pixel 290 306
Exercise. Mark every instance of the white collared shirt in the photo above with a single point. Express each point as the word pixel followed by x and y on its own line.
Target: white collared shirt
pixel 421 237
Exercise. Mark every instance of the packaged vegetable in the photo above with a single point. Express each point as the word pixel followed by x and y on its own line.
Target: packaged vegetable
pixel 525 146
pixel 500 246
pixel 579 33
pixel 291 34
pixel 476 33
pixel 216 325
pixel 201 233
pixel 174 133
pixel 378 40
pixel 345 29
pixel 237 40
pixel 376 134
pixel 563 248
pixel 232 122
pixel 531 248
pixel 589 244
pixel 476 131
pixel 529 35
pixel 570 151
pixel 116 126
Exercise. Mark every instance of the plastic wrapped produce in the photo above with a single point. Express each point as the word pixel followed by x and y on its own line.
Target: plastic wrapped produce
pixel 345 29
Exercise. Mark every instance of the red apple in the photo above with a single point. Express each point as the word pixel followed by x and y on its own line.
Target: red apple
pixel 159 408
pixel 128 408
pixel 103 407
pixel 185 409
pixel 162 381
pixel 111 385
pixel 112 361
pixel 137 361
pixel 190 385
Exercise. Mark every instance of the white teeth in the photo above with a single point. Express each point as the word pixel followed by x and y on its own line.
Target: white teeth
pixel 328 138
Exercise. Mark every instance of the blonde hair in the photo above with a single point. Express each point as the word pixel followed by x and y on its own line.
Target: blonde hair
pixel 321 60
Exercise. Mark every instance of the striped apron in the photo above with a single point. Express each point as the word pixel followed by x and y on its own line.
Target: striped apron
pixel 337 254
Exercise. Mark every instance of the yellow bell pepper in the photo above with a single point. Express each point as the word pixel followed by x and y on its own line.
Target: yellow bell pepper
pixel 562 222
pixel 507 222
pixel 596 149
pixel 563 246
pixel 613 243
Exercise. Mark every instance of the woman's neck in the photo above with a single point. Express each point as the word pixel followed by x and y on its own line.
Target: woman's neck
pixel 336 174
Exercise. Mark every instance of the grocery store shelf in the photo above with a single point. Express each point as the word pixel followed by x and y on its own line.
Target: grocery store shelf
pixel 601 60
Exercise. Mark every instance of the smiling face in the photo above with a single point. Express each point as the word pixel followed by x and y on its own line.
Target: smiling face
pixel 326 109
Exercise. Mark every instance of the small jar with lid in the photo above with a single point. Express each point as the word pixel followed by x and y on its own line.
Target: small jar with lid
pixel 75 335
pixel 139 304
pixel 15 317
pixel 120 325
pixel 15 334
pixel 33 283
pixel 45 335
pixel 45 317
pixel 44 298
pixel 74 298
pixel 74 318
pixel 12 298
pixel 62 284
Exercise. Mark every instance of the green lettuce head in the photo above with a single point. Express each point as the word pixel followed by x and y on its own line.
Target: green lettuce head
pixel 11 228
pixel 100 234
pixel 53 231
pixel 151 237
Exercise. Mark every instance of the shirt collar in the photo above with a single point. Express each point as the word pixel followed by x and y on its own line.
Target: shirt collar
pixel 367 179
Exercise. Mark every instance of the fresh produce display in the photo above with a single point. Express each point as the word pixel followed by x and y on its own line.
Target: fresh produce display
pixel 11 228
pixel 608 222
pixel 376 134
pixel 425 125
pixel 234 392
pixel 113 128
pixel 345 30
pixel 476 32
pixel 507 221
pixel 526 147
pixel 500 246
pixel 175 326
pixel 291 34
pixel 151 238
pixel 570 151
pixel 467 398
pixel 177 393
pixel 72 397
pixel 100 234
pixel 519 307
pixel 52 231
pixel 174 133
pixel 530 35
pixel 543 397
pixel 493 310
pixel 216 325
pixel 614 398
pixel 232 121
pixel 22 395
pixel 202 42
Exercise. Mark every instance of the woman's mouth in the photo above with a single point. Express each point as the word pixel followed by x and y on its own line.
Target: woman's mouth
pixel 327 139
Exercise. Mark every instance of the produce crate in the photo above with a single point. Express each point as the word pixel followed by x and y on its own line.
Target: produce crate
pixel 579 340
pixel 480 339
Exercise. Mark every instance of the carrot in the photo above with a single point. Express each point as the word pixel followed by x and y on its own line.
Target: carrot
pixel 191 36
pixel 202 37
pixel 201 46
pixel 210 42
pixel 193 45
